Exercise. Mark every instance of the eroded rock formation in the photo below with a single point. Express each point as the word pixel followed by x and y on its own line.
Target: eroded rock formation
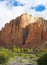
pixel 24 31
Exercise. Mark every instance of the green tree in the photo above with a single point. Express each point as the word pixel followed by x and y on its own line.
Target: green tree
pixel 3 57
pixel 43 59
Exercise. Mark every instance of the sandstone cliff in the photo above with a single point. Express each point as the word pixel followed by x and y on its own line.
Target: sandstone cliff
pixel 24 31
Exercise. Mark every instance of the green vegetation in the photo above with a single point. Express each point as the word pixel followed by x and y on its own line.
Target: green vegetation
pixel 5 55
pixel 21 50
pixel 3 58
pixel 25 60
pixel 8 55
pixel 43 59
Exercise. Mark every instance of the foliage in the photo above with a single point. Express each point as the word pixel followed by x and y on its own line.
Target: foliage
pixel 24 60
pixel 26 50
pixel 8 54
pixel 43 59
pixel 5 55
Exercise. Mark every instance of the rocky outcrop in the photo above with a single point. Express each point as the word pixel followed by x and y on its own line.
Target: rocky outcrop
pixel 24 31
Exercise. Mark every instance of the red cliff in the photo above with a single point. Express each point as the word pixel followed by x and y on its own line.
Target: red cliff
pixel 24 31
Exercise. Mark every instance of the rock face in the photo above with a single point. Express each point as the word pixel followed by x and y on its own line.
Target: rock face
pixel 24 31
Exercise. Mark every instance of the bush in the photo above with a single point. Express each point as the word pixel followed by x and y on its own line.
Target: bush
pixel 43 59
pixel 5 55
pixel 3 58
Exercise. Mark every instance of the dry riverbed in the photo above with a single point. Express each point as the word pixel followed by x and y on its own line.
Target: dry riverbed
pixel 20 61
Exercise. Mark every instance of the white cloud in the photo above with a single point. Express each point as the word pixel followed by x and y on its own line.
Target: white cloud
pixel 7 12
pixel 33 2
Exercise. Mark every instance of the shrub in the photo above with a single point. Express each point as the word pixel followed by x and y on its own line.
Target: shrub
pixel 5 55
pixel 43 59
pixel 3 58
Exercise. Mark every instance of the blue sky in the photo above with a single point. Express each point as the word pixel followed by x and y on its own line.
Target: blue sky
pixel 14 3
pixel 39 8
pixel 10 9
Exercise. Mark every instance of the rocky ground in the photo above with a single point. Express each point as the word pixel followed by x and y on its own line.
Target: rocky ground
pixel 17 62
